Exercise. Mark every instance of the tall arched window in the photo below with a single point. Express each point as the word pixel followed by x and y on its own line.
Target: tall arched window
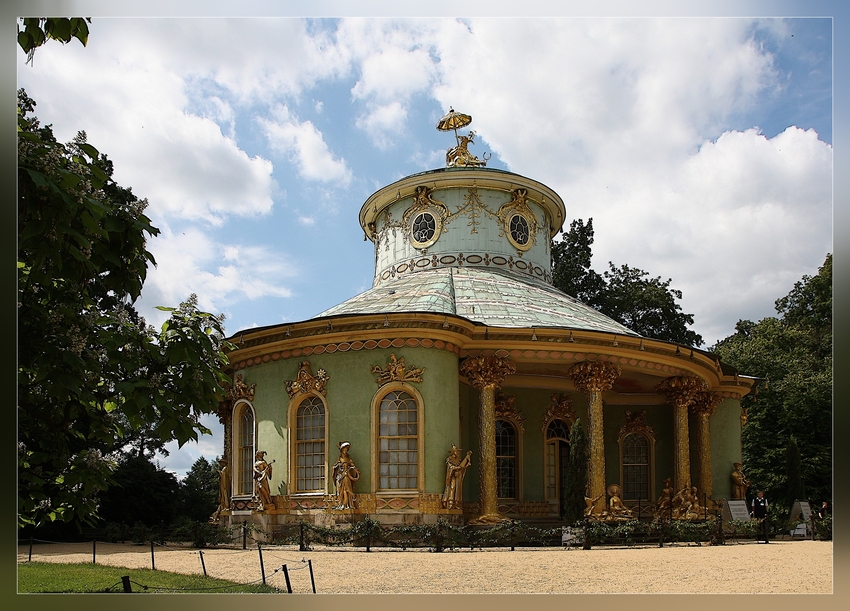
pixel 557 458
pixel 506 459
pixel 635 467
pixel 245 449
pixel 637 448
pixel 398 442
pixel 310 445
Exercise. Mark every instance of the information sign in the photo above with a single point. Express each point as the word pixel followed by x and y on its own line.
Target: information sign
pixel 735 510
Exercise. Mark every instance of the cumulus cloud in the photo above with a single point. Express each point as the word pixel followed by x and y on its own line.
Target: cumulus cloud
pixel 305 146
pixel 220 274
pixel 136 113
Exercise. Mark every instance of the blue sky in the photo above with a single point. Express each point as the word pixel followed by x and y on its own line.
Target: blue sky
pixel 701 147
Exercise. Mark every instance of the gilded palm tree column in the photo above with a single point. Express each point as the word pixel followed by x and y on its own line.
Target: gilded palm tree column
pixel 486 373
pixel 703 406
pixel 680 393
pixel 593 378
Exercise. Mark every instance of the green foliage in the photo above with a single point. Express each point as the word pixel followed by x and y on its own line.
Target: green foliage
pixel 796 488
pixel 92 376
pixel 53 577
pixel 142 493
pixel 823 528
pixel 35 31
pixel 199 491
pixel 792 357
pixel 627 294
pixel 576 480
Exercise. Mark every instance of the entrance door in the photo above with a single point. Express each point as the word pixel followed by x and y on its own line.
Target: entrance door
pixel 563 469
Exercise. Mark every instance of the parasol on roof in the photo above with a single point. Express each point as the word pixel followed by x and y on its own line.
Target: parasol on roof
pixel 452 121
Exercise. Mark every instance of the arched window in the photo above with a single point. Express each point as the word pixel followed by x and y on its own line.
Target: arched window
pixel 506 459
pixel 244 448
pixel 557 458
pixel 635 462
pixel 398 442
pixel 310 445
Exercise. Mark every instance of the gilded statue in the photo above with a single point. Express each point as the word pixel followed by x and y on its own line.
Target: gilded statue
pixel 262 475
pixel 223 484
pixel 590 505
pixel 664 504
pixel 740 484
pixel 616 510
pixel 455 470
pixel 459 155
pixel 345 474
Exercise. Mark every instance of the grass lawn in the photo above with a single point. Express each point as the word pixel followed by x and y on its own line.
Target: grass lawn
pixel 46 577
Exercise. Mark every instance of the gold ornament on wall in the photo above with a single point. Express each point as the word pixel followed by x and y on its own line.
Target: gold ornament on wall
pixel 518 206
pixel 241 390
pixel 506 410
pixel 305 381
pixel 397 371
pixel 561 407
pixel 636 423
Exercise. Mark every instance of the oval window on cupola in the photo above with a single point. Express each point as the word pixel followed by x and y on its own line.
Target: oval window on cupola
pixel 519 231
pixel 424 229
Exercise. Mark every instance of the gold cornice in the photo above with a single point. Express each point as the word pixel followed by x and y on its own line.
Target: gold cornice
pixel 465 338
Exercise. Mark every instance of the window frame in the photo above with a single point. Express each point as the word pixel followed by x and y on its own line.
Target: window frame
pixel 377 399
pixel 518 431
pixel 650 467
pixel 294 404
pixel 547 442
pixel 239 467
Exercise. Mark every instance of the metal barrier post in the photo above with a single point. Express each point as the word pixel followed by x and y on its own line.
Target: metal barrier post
pixel 262 568
pixel 94 551
pixel 29 557
pixel 302 547
pixel 203 566
pixel 244 534
pixel 312 580
pixel 286 576
pixel 153 564
pixel 125 580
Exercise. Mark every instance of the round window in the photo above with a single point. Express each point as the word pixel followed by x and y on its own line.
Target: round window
pixel 424 227
pixel 519 229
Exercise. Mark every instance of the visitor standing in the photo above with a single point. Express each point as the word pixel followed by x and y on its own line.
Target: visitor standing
pixel 759 512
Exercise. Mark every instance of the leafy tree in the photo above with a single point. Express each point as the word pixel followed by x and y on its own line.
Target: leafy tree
pixel 627 294
pixel 199 491
pixel 792 356
pixel 35 31
pixel 91 373
pixel 571 271
pixel 142 493
pixel 576 480
pixel 796 488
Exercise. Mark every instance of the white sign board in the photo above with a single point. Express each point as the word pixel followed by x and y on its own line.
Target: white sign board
pixel 801 511
pixel 735 510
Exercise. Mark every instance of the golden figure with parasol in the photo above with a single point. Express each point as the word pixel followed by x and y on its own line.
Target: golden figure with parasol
pixel 459 155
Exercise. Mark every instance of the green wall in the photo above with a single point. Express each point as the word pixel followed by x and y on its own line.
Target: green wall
pixel 725 427
pixel 350 391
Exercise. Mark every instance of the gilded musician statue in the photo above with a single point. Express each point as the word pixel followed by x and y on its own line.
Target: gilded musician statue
pixel 262 477
pixel 740 484
pixel 455 470
pixel 345 473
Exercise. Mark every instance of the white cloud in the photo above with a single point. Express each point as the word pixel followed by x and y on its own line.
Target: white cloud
pixel 305 146
pixel 384 123
pixel 220 274
pixel 136 112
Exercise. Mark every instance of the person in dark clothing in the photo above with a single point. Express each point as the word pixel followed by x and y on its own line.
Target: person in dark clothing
pixel 824 510
pixel 759 512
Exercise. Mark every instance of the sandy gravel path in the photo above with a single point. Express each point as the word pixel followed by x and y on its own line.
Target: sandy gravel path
pixel 786 567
